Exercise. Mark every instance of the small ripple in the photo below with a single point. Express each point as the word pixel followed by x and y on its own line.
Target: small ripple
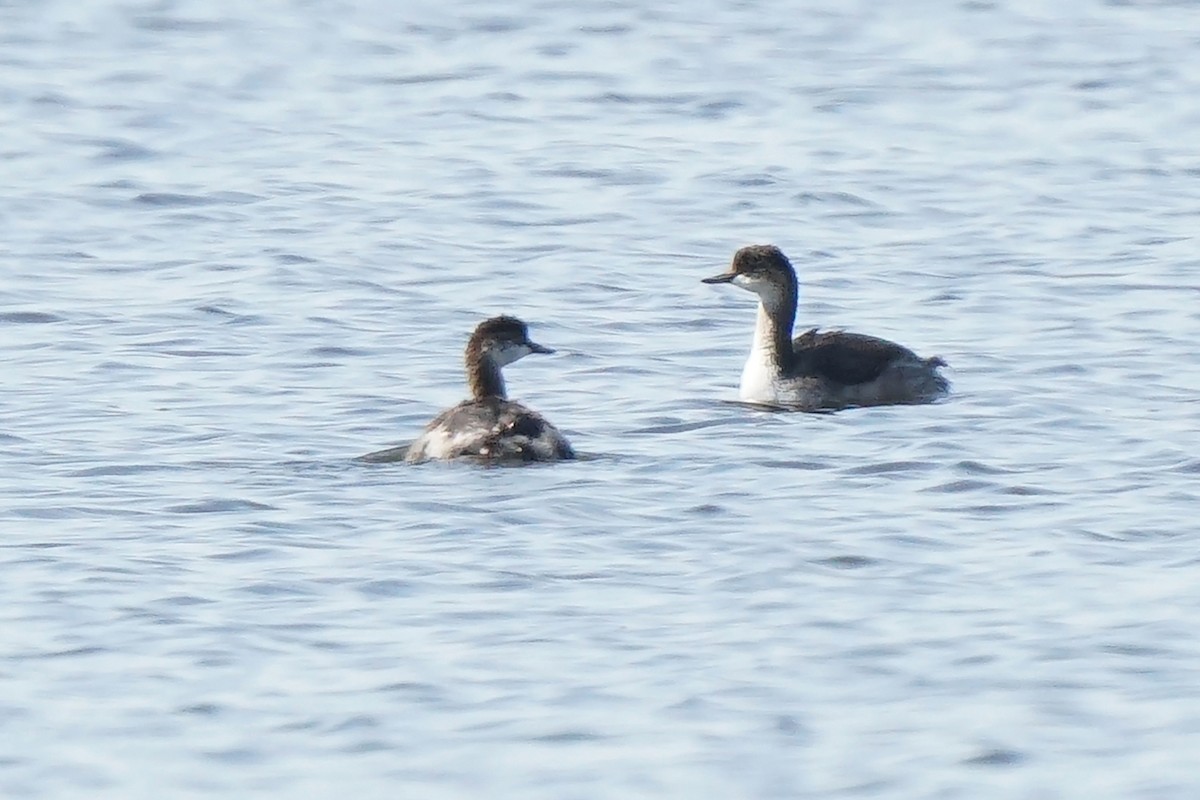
pixel 889 467
pixel 357 722
pixel 570 737
pixel 659 100
pixel 955 487
pixel 55 99
pixel 989 510
pixel 168 199
pixel 369 746
pixel 979 468
pixel 387 587
pixel 1188 468
pixel 299 725
pixel 71 653
pixel 683 427
pixel 421 79
pixel 554 222
pixel 294 258
pixel 231 316
pixel 1060 369
pixel 390 455
pixel 498 25
pixel 329 351
pixel 162 24
pixel 787 724
pixel 1135 650
pixel 120 150
pixel 996 758
pixel 421 692
pixel 38 546
pixel 180 200
pixel 117 469
pixel 506 582
pixel 218 506
pixel 274 589
pixel 804 464
pixel 923 542
pixel 841 198
pixel 236 755
pixel 68 512
pixel 719 109
pixel 749 180
pixel 578 576
pixel 246 554
pixel 607 30
pixel 1021 490
pixel 29 317
pixel 185 600
pixel 608 177
pixel 847 562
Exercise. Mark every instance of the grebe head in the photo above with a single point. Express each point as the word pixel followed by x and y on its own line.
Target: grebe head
pixel 503 340
pixel 759 268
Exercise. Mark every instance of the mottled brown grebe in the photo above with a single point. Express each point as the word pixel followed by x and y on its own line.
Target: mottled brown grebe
pixel 819 369
pixel 489 426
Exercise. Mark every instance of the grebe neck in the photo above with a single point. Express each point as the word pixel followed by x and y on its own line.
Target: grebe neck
pixel 773 329
pixel 484 377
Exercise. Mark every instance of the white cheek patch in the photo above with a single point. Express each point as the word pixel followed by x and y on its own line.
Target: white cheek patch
pixel 509 353
pixel 746 282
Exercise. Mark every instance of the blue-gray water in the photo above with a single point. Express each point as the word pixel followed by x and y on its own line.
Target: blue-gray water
pixel 242 243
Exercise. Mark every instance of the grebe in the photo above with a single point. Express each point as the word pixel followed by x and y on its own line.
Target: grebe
pixel 489 426
pixel 819 369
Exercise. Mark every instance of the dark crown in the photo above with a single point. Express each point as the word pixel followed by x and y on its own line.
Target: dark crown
pixel 500 329
pixel 759 259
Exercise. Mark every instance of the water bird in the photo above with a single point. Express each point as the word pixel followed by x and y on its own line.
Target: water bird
pixel 488 426
pixel 819 369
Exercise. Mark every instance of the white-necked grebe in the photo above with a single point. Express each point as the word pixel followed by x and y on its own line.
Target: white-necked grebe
pixel 489 426
pixel 819 369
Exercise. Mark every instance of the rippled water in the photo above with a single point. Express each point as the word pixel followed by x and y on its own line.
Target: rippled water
pixel 244 243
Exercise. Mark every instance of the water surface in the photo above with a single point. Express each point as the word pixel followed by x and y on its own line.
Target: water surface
pixel 244 243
